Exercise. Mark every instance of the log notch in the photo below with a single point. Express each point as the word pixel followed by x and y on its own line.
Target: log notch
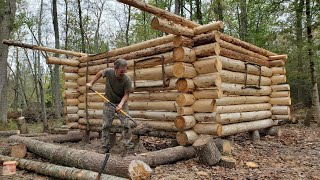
pixel 206 150
pixel 89 160
pixel 170 28
pixel 61 172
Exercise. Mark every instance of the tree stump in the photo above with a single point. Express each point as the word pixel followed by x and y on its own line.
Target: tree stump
pixel 22 125
pixel 271 131
pixel 18 150
pixel 227 162
pixel 309 117
pixel 224 146
pixel 206 150
pixel 254 135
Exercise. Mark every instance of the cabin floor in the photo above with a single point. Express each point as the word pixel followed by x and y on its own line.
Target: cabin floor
pixel 295 155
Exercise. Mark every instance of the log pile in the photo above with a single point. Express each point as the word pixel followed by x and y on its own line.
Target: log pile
pixel 194 81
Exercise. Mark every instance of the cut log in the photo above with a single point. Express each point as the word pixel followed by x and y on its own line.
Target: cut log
pixel 243 108
pixel 206 150
pixel 277 57
pixel 69 94
pixel 186 137
pixel 281 117
pixel 92 114
pixel 278 70
pixel 82 80
pixel 164 96
pixel 232 129
pixel 207 80
pixel 237 89
pixel 277 63
pixel 185 99
pixel 208 27
pixel 212 93
pixel 208 128
pixel 224 146
pixel 91 105
pixel 18 150
pixel 207 50
pixel 185 111
pixel 207 65
pixel 239 66
pixel 70 85
pixel 154 73
pixel 184 70
pixel 281 101
pixel 254 135
pixel 116 165
pixel 233 100
pixel 152 133
pixel 71 109
pixel 72 125
pixel 239 49
pixel 170 28
pixel 59 130
pixel 98 122
pixel 62 61
pixel 242 78
pixel 282 87
pixel 153 105
pixel 92 97
pixel 231 118
pixel 280 94
pixel 185 85
pixel 278 79
pixel 61 172
pixel 70 69
pixel 71 136
pixel 22 125
pixel 280 110
pixel 71 102
pixel 184 122
pixel 184 54
pixel 207 38
pixel 9 133
pixel 70 76
pixel 271 131
pixel 227 162
pixel 155 115
pixel 243 57
pixel 246 45
pixel 160 12
pixel 207 117
pixel 182 41
pixel 204 105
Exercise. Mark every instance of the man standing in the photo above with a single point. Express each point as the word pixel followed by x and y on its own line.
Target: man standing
pixel 118 87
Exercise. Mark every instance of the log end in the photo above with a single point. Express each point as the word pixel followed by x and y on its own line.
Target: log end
pixel 178 54
pixel 202 140
pixel 184 85
pixel 155 22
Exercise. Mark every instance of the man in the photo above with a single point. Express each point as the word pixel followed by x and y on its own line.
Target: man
pixel 118 86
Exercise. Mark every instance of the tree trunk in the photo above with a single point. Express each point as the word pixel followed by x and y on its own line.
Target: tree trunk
pixel 243 20
pixel 89 160
pixel 6 26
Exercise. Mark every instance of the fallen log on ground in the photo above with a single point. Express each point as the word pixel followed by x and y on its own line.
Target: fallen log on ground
pixel 72 136
pixel 56 171
pixel 9 133
pixel 117 166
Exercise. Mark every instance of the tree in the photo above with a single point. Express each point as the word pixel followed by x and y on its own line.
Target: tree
pixel 7 13
pixel 243 20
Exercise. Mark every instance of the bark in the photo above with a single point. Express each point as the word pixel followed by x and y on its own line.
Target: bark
pixel 227 162
pixel 6 25
pixel 243 57
pixel 206 150
pixel 89 160
pixel 61 172
pixel 9 133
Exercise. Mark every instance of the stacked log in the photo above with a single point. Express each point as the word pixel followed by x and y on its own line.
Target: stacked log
pixel 280 96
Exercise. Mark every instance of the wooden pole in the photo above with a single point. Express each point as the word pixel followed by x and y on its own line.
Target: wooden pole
pixel 170 28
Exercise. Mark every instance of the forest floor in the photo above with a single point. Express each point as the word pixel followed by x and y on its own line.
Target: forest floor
pixel 295 155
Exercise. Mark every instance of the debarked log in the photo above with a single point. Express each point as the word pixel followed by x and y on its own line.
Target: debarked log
pixel 207 65
pixel 89 160
pixel 208 128
pixel 230 118
pixel 243 108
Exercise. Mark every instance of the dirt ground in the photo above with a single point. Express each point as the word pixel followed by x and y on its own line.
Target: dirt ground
pixel 295 155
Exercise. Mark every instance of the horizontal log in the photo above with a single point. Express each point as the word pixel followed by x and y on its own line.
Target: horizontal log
pixel 186 137
pixel 92 114
pixel 68 94
pixel 204 105
pixel 185 111
pixel 243 57
pixel 72 117
pixel 132 48
pixel 239 66
pixel 182 41
pixel 207 65
pixel 242 78
pixel 98 122
pixel 62 61
pixel 185 99
pixel 164 96
pixel 237 89
pixel 9 133
pixel 91 105
pixel 96 87
pixel 70 109
pixel 281 101
pixel 207 38
pixel 280 110
pixel 277 63
pixel 70 69
pixel 280 94
pixel 209 93
pixel 160 125
pixel 281 117
pixel 243 108
pixel 208 128
pixel 154 115
pixel 184 122
pixel 212 117
pixel 208 27
pixel 239 49
pixel 185 85
pixel 233 100
pixel 153 105
pixel 154 73
pixel 82 80
pixel 279 70
pixel 277 57
pixel 207 80
pixel 278 79
pixel 207 50
pixel 92 97
pixel 184 54
pixel 281 87
pixel 170 28
pixel 232 129
pixel 246 45
pixel 231 118
pixel 71 102
pixel 70 76
pixel 72 125
pixel 184 70
pixel 70 85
